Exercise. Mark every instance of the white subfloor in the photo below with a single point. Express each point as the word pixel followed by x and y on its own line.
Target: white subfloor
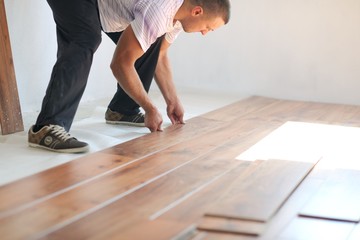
pixel 17 160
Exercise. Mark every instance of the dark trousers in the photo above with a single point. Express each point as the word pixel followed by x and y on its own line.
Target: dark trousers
pixel 78 32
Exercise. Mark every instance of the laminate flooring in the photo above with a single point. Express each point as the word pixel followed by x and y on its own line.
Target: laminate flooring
pixel 197 181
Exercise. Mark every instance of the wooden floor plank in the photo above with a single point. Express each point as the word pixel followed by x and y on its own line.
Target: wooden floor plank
pixel 346 115
pixel 240 109
pixel 281 110
pixel 338 198
pixel 258 195
pixel 220 236
pixel 162 195
pixel 120 182
pixel 10 111
pixel 193 209
pixel 290 209
pixel 20 194
pixel 159 230
pixel 309 112
pixel 77 171
pixel 161 184
pixel 292 206
pixel 284 224
pixel 136 208
pixel 230 225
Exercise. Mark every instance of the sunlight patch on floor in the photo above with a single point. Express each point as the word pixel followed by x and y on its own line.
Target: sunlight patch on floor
pixel 337 146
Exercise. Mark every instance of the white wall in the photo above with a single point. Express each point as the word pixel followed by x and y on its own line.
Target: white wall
pixel 294 49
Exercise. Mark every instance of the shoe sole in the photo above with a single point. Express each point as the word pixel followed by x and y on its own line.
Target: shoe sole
pixel 69 150
pixel 125 123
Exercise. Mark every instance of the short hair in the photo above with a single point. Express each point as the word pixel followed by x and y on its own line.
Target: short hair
pixel 219 8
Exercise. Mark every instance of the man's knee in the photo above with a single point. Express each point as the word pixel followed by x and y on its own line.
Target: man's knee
pixel 94 41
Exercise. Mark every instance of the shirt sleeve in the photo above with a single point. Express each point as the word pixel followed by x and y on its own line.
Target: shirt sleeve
pixel 149 23
pixel 172 35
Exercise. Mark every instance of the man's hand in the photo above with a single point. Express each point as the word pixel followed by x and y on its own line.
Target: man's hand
pixel 153 120
pixel 176 113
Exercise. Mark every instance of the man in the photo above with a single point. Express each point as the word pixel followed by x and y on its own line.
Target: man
pixel 143 30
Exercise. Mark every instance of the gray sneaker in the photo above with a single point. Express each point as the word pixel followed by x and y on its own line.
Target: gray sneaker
pixel 112 117
pixel 56 138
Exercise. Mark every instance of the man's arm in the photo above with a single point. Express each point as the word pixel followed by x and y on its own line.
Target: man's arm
pixel 163 78
pixel 127 51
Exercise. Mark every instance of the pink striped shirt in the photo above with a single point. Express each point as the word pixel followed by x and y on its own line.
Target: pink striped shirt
pixel 149 19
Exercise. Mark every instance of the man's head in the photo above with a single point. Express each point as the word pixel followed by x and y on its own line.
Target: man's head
pixel 203 15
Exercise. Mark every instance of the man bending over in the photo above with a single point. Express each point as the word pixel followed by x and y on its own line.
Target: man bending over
pixel 142 30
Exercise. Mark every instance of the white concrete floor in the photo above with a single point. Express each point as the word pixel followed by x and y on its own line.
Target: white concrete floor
pixel 17 160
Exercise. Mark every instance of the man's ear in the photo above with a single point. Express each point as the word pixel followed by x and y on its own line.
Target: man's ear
pixel 197 11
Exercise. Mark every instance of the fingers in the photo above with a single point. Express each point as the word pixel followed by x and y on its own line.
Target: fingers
pixel 175 119
pixel 153 120
pixel 181 119
pixel 175 113
pixel 156 127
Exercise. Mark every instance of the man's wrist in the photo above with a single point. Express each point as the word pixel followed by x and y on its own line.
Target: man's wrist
pixel 173 99
pixel 149 108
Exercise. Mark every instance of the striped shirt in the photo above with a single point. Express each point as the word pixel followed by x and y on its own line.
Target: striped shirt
pixel 149 19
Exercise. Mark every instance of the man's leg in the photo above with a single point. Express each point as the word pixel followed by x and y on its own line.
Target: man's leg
pixel 78 35
pixel 145 67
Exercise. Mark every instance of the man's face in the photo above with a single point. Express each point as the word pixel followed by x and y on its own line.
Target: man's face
pixel 201 24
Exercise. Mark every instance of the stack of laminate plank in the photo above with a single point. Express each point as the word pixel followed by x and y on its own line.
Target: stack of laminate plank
pixel 187 183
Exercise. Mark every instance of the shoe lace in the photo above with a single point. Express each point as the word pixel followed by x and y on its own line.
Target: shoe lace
pixel 60 132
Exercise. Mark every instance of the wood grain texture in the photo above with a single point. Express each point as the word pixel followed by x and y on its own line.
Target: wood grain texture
pixel 193 209
pixel 229 225
pixel 290 209
pixel 10 111
pixel 337 199
pixel 258 194
pixel 219 236
pixel 241 109
pixel 278 222
pixel 20 194
pixel 114 185
pixel 155 199
pixel 348 115
pixel 160 185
